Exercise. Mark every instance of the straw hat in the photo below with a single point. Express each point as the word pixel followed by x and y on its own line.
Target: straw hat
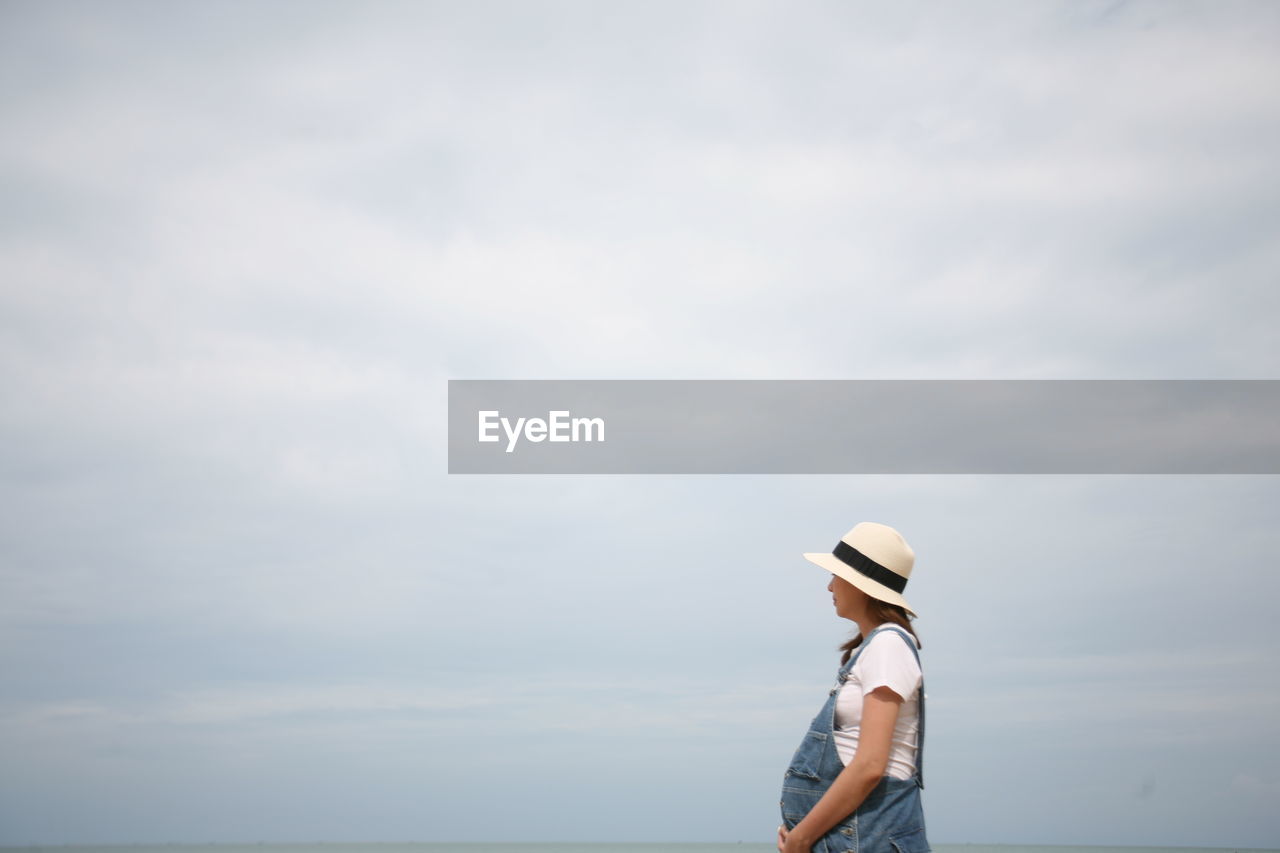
pixel 874 558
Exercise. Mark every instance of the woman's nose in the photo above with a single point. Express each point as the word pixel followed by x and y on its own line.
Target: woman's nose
pixel 831 585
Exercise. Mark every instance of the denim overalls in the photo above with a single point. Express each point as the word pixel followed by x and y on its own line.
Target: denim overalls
pixel 890 819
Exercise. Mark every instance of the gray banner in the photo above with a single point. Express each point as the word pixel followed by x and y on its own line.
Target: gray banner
pixel 864 427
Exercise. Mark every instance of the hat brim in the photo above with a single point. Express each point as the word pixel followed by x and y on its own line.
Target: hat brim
pixel 862 582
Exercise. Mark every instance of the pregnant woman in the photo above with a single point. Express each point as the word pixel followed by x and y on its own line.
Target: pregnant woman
pixel 854 783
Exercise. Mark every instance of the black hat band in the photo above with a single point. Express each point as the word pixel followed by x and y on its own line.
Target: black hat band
pixel 867 567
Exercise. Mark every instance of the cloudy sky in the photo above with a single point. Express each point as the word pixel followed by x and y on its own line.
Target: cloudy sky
pixel 243 247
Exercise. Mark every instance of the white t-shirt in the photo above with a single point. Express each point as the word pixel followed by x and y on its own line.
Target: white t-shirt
pixel 885 662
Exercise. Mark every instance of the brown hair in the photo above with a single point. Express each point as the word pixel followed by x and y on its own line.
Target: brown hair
pixel 881 612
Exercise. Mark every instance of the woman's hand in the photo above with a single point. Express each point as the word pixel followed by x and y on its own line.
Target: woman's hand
pixel 791 841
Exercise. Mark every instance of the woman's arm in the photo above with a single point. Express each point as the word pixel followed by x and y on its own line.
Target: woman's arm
pixel 875 737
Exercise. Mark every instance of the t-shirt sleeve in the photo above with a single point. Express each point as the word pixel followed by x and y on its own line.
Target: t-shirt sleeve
pixel 888 662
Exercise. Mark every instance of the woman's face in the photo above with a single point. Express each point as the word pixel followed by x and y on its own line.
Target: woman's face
pixel 847 598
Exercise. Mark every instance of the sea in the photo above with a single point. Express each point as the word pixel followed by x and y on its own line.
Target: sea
pixel 476 847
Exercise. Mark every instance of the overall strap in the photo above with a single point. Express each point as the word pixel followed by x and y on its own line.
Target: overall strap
pixel 911 644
